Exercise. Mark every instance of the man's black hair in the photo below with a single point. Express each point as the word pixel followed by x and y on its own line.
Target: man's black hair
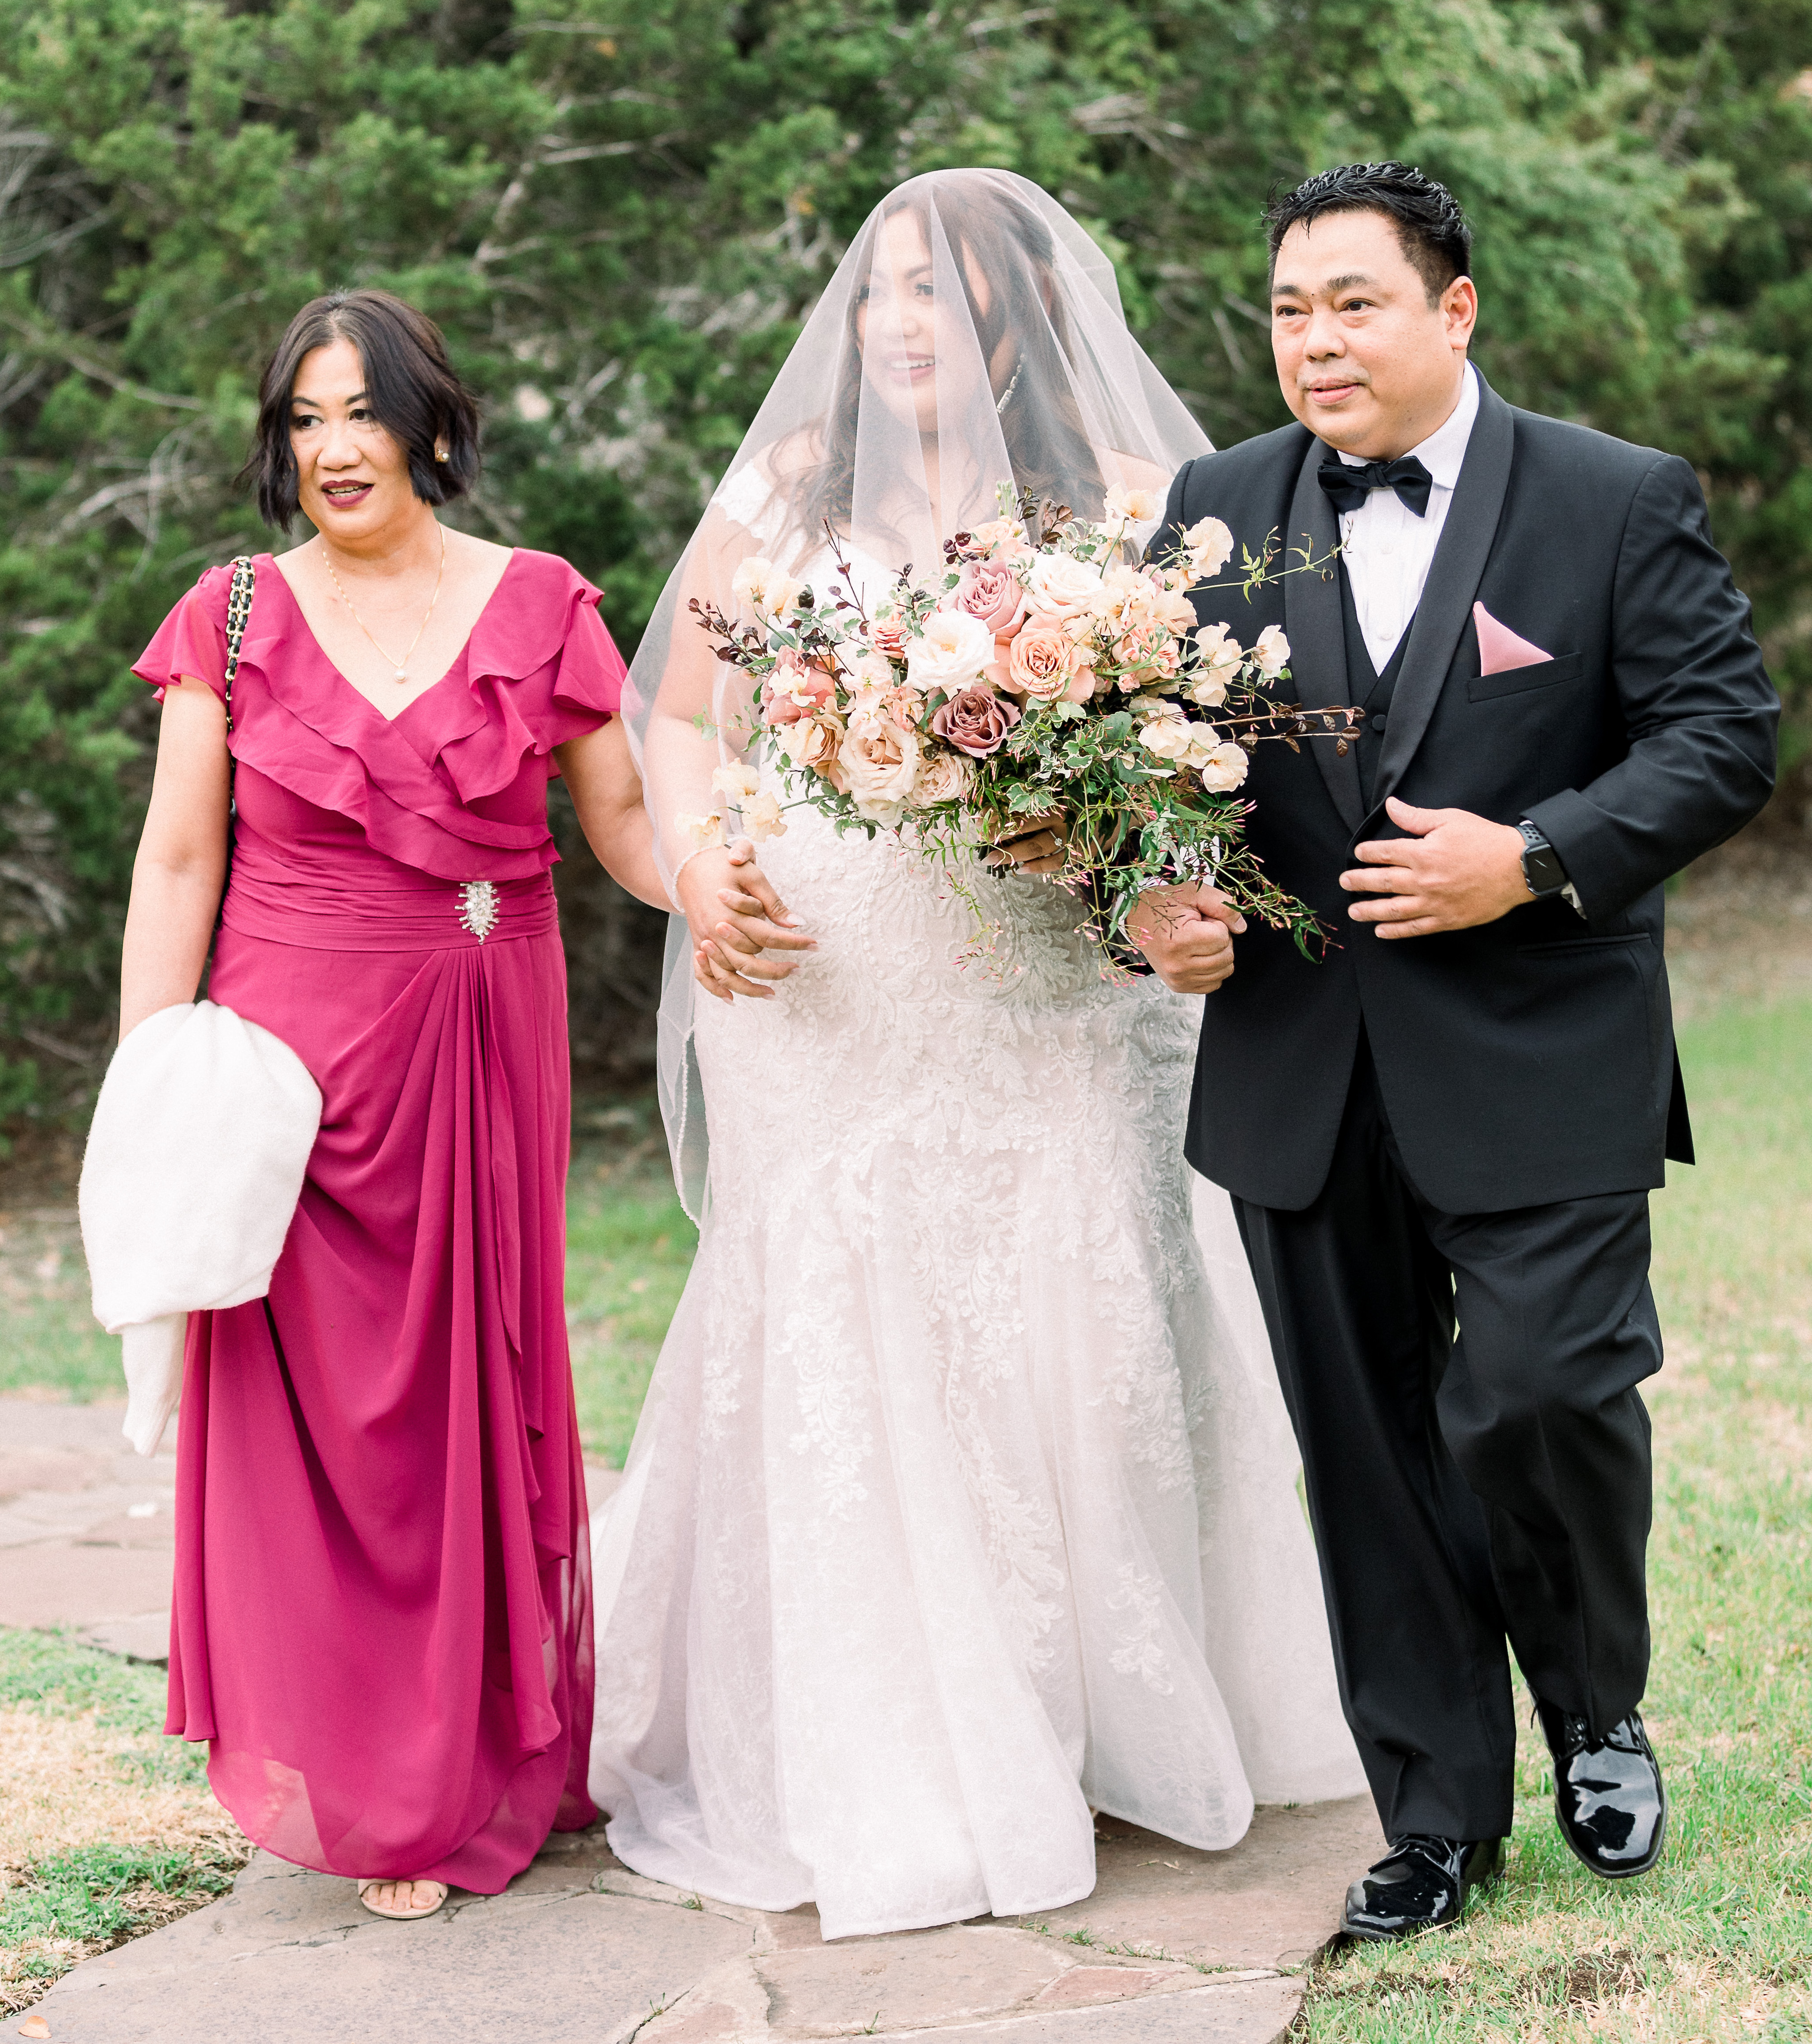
pixel 1430 224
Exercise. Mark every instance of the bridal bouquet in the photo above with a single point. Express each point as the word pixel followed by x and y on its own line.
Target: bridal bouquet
pixel 1046 672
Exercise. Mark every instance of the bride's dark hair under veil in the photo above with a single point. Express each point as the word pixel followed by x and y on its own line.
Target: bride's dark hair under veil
pixel 1023 332
pixel 971 337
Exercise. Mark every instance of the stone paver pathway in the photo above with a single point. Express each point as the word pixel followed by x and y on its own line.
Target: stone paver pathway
pixel 1173 1947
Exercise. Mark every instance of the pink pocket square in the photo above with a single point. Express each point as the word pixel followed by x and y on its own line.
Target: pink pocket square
pixel 1499 648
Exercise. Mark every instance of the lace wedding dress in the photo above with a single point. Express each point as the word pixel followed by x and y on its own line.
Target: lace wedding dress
pixel 962 1500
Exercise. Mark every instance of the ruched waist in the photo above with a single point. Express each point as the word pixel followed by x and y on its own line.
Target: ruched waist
pixel 284 904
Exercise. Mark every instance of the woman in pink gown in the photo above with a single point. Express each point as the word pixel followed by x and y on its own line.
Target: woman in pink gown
pixel 382 1613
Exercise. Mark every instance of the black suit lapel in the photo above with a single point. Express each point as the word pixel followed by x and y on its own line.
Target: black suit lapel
pixel 1312 625
pixel 1453 576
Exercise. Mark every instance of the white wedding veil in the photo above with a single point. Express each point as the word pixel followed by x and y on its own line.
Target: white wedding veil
pixel 972 336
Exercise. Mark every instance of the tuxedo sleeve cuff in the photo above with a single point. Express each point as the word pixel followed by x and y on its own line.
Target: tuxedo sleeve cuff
pixel 1575 828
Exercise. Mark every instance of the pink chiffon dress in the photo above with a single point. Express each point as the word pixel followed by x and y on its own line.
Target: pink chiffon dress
pixel 382 1613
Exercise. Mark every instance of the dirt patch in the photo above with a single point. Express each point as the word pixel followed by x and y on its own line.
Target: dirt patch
pixel 66 1782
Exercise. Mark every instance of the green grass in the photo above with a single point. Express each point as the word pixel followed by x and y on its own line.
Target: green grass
pixel 1716 1943
pixel 44 1671
pixel 49 1338
pixel 629 1246
pixel 97 1896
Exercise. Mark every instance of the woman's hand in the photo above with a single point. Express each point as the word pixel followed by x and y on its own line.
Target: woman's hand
pixel 1039 846
pixel 736 918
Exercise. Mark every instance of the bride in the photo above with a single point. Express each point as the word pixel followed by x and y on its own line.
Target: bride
pixel 963 1499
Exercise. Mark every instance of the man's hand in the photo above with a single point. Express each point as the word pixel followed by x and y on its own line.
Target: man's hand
pixel 736 918
pixel 1454 872
pixel 1188 934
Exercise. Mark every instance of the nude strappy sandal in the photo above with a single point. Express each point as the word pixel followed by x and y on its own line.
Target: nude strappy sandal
pixel 402 1916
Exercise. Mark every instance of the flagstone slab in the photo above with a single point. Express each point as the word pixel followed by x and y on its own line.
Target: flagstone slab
pixel 580 1951
pixel 290 1958
pixel 67 1583
pixel 1273 1901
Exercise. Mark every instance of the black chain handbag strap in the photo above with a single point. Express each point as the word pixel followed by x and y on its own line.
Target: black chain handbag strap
pixel 238 614
pixel 239 611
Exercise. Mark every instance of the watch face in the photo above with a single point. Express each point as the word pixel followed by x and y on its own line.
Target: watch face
pixel 1542 868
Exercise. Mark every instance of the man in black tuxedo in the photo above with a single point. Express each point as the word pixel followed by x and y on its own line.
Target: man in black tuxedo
pixel 1458 1113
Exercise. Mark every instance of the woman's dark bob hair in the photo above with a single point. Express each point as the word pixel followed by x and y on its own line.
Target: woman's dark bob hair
pixel 409 384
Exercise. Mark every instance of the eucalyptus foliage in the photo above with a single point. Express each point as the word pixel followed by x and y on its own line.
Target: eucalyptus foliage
pixel 619 213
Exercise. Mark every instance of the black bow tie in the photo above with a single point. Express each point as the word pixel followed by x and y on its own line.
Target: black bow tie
pixel 1349 486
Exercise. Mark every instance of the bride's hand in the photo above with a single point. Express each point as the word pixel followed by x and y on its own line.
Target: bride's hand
pixel 1038 846
pixel 736 918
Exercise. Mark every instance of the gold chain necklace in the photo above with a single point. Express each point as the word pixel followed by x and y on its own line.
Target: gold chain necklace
pixel 400 667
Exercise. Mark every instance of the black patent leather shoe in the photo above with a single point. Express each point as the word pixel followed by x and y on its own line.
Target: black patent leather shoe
pixel 1421 1884
pixel 1608 1793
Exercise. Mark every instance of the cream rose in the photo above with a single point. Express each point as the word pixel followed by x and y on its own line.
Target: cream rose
pixel 1167 736
pixel 1208 546
pixel 950 654
pixel 769 589
pixel 1222 767
pixel 1272 652
pixel 943 776
pixel 822 750
pixel 881 763
pixel 1138 506
pixel 701 830
pixel 816 742
pixel 1218 657
pixel 1062 585
pixel 762 817
pixel 736 781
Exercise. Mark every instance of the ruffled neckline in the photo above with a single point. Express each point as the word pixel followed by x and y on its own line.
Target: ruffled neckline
pixel 510 694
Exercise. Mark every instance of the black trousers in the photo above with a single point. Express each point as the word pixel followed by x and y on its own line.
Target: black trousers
pixel 1464 1485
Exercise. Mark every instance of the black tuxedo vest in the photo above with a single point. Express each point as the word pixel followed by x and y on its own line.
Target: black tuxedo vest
pixel 1531 1059
pixel 1373 692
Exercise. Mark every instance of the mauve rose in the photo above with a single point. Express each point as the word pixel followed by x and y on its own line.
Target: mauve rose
pixel 1042 662
pixel 975 721
pixel 991 592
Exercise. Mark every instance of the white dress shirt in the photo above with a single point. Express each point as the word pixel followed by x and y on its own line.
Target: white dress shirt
pixel 1387 548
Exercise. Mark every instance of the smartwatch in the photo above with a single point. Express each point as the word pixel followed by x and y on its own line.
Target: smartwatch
pixel 1543 873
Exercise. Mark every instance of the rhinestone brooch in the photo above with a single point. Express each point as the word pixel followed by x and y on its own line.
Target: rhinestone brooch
pixel 479 907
